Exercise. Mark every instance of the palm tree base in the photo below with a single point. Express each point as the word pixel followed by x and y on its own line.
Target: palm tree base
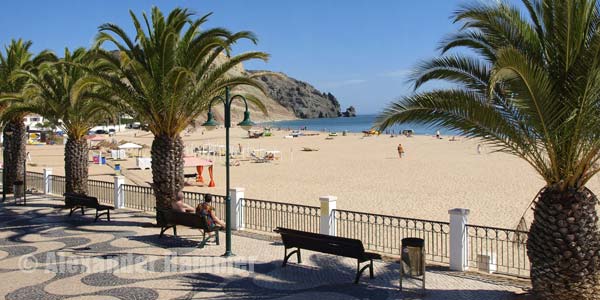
pixel 564 245
pixel 76 166
pixel 167 169
pixel 14 152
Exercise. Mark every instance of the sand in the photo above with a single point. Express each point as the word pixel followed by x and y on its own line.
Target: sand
pixel 365 174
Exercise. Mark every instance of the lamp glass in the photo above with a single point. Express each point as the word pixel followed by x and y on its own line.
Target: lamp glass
pixel 210 123
pixel 246 124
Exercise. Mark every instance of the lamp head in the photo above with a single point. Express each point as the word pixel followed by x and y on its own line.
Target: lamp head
pixel 246 124
pixel 210 123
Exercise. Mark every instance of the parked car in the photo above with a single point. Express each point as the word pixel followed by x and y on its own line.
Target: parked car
pixel 101 131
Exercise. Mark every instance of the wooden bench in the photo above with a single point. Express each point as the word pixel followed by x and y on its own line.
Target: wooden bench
pixel 167 218
pixel 78 201
pixel 339 246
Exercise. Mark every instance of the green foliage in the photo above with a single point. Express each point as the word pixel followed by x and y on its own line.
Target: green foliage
pixel 531 86
pixel 17 57
pixel 54 91
pixel 168 74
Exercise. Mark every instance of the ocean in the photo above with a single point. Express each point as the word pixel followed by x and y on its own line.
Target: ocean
pixel 353 124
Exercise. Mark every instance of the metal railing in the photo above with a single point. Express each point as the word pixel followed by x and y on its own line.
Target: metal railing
pixel 504 249
pixel 57 184
pixel 385 233
pixel 103 190
pixel 266 215
pixel 139 197
pixel 35 181
pixel 218 201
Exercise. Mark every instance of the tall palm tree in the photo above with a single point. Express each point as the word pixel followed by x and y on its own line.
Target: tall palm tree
pixel 167 76
pixel 531 88
pixel 57 92
pixel 17 57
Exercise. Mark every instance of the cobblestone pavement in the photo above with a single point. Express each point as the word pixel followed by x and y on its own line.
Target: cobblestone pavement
pixel 46 255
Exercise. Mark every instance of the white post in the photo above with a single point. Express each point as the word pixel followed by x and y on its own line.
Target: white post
pixel 327 216
pixel 459 239
pixel 119 194
pixel 47 184
pixel 237 208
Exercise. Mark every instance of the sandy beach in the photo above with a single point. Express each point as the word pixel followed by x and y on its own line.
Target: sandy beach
pixel 365 173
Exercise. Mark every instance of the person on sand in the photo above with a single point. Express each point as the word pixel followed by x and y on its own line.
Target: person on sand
pixel 205 209
pixel 179 205
pixel 400 150
pixel 478 148
pixel 437 135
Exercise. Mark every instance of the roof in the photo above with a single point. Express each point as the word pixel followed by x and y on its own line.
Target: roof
pixel 130 146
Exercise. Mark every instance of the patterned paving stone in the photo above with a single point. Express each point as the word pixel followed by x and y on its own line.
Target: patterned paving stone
pixel 76 258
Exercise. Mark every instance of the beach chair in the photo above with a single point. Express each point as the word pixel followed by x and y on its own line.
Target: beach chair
pixel 258 159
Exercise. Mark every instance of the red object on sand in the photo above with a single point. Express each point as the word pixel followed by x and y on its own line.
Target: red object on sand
pixel 199 178
pixel 199 163
pixel 210 172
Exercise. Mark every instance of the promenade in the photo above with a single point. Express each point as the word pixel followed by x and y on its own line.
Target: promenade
pixel 46 255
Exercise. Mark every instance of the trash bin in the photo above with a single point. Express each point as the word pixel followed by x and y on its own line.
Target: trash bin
pixel 118 168
pixel 18 191
pixel 413 259
pixel 103 160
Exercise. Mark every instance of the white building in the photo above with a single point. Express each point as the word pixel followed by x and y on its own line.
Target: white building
pixel 32 120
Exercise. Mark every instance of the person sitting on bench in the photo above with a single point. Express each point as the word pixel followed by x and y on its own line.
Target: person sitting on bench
pixel 205 209
pixel 179 205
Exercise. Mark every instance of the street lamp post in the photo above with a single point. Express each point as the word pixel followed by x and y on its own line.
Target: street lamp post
pixel 210 124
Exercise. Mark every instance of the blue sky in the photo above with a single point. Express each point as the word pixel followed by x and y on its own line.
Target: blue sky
pixel 359 50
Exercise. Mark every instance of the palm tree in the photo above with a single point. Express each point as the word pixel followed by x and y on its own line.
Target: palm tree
pixel 57 92
pixel 530 87
pixel 167 77
pixel 17 57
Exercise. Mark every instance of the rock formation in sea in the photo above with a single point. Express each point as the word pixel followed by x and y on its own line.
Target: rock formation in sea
pixel 350 112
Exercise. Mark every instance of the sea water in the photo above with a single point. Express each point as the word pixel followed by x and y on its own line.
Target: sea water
pixel 353 124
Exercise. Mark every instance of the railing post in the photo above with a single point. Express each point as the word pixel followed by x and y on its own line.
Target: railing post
pixel 47 183
pixel 327 215
pixel 119 194
pixel 237 208
pixel 459 239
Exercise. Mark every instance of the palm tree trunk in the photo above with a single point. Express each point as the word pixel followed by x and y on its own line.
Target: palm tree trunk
pixel 564 245
pixel 14 152
pixel 76 165
pixel 167 169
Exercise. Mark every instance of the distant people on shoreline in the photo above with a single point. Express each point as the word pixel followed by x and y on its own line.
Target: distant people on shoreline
pixel 438 135
pixel 400 150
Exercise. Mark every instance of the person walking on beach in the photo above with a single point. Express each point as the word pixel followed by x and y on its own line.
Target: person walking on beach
pixel 437 134
pixel 400 150
pixel 478 148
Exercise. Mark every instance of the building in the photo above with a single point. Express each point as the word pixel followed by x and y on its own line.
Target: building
pixel 32 121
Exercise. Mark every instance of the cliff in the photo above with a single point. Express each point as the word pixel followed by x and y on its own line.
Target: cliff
pixel 287 98
pixel 300 97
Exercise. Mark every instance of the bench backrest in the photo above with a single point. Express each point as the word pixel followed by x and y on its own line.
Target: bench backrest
pixel 169 217
pixel 322 243
pixel 72 199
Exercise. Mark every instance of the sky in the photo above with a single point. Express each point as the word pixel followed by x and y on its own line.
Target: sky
pixel 359 50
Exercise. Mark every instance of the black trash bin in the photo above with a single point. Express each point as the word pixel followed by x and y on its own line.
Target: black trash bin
pixel 19 191
pixel 412 263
